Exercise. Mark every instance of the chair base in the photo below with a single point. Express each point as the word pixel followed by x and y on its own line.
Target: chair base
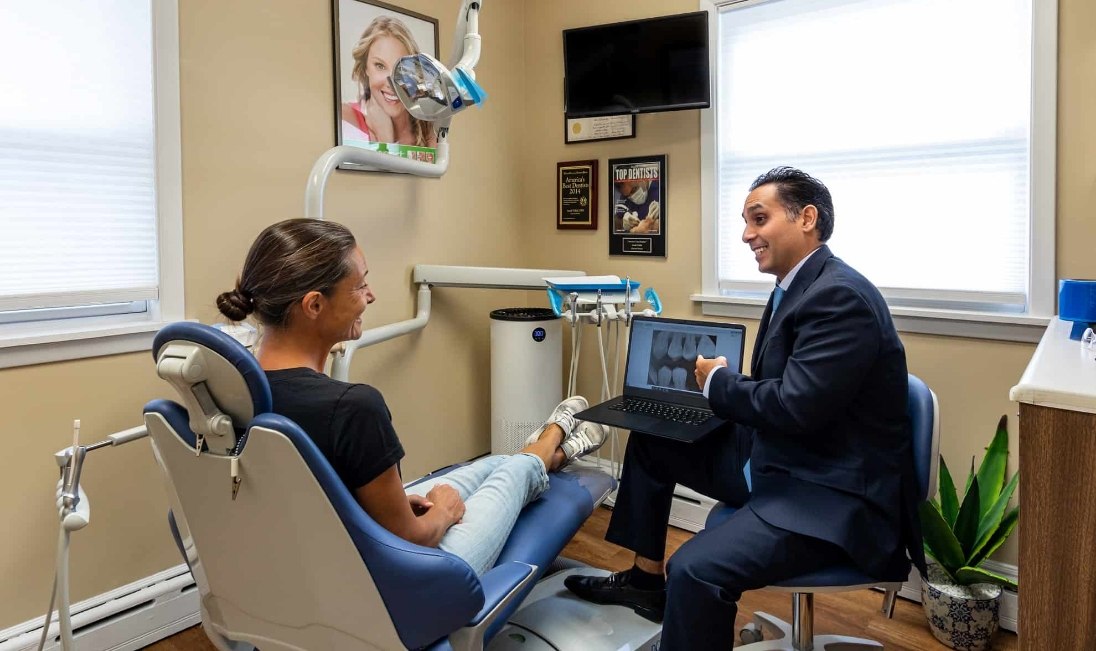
pixel 779 634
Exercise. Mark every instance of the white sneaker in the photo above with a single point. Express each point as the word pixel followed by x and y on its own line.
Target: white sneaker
pixel 563 415
pixel 586 438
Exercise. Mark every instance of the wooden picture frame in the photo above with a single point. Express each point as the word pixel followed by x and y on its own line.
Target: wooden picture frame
pixel 576 195
pixel 367 114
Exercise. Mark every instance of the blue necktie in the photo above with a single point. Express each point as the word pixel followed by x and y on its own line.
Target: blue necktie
pixel 778 295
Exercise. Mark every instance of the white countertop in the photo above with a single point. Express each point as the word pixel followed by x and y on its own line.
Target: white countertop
pixel 1061 373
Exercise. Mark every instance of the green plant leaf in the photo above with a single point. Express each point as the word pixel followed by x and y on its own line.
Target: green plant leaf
pixel 971 575
pixel 966 523
pixel 992 519
pixel 1004 530
pixel 940 542
pixel 991 474
pixel 970 477
pixel 949 499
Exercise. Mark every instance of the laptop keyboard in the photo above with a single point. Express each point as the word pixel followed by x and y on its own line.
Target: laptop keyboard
pixel 675 413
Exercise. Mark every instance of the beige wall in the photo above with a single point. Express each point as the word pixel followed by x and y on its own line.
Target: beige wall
pixel 257 111
pixel 971 377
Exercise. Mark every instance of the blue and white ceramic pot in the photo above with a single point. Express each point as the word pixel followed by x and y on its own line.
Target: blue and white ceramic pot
pixel 963 617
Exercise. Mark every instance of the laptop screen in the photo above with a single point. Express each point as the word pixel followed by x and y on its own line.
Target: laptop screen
pixel 662 354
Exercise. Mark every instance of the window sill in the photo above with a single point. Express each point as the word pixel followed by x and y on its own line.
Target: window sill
pixel 950 323
pixel 25 344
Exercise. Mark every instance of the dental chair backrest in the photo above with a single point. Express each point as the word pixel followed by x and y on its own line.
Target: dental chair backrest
pixel 285 558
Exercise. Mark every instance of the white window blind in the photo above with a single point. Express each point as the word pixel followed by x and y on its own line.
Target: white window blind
pixel 78 210
pixel 917 116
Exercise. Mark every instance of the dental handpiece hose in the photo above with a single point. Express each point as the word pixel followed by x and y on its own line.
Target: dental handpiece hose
pixel 74 513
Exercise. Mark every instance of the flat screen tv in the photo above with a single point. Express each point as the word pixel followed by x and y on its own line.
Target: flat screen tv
pixel 639 66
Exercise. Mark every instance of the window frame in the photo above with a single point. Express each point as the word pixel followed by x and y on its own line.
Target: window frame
pixel 37 342
pixel 1027 326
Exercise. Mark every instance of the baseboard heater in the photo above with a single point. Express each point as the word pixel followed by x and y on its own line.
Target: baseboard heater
pixel 126 618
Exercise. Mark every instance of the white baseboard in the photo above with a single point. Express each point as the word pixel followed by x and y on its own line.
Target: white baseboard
pixel 124 619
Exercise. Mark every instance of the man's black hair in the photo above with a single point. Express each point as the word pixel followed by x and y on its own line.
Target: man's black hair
pixel 797 190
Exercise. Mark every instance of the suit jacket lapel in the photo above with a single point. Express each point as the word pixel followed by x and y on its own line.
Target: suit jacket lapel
pixel 803 279
pixel 761 333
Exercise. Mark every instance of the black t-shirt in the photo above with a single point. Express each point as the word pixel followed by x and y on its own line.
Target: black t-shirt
pixel 350 423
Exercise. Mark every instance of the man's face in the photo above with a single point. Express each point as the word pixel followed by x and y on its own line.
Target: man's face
pixel 778 244
pixel 636 190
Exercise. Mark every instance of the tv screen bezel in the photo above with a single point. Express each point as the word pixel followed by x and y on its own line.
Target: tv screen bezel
pixel 650 109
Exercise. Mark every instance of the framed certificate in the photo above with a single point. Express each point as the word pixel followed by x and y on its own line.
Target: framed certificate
pixel 637 206
pixel 576 195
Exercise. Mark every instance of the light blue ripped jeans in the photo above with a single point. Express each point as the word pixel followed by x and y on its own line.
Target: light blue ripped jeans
pixel 495 490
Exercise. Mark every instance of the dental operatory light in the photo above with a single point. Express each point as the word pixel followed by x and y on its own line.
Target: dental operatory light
pixel 429 90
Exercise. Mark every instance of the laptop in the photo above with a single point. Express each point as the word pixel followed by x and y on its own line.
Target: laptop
pixel 661 396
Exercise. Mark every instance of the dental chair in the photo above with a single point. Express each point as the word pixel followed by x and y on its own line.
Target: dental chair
pixel 924 415
pixel 283 556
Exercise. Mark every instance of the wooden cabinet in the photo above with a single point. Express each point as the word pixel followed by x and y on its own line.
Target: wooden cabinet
pixel 1057 564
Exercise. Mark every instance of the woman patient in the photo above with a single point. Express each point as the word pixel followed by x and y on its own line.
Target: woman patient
pixel 305 282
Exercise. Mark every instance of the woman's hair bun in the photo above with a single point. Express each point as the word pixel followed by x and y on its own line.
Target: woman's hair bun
pixel 235 305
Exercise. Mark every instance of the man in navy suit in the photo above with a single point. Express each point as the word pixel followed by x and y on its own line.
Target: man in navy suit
pixel 822 419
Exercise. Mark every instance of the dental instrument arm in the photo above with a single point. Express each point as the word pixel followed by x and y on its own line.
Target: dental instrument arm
pixel 427 276
pixel 75 513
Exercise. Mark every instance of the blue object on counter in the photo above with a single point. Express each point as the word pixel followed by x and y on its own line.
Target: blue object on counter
pixel 579 286
pixel 1077 303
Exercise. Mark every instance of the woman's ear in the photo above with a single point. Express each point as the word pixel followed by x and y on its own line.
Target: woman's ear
pixel 312 305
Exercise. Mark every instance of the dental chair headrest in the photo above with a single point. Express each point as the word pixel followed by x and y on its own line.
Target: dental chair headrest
pixel 220 382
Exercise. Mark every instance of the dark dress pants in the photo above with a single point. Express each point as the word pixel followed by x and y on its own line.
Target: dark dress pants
pixel 707 575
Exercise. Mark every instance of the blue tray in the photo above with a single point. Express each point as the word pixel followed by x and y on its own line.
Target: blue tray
pixel 605 287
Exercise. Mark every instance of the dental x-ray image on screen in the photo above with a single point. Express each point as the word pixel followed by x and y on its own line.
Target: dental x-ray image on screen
pixel 662 352
pixel 673 359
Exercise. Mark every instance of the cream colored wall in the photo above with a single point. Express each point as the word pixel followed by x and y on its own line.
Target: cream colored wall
pixel 971 377
pixel 257 110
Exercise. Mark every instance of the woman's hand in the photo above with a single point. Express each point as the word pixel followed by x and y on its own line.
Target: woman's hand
pixel 380 125
pixel 419 504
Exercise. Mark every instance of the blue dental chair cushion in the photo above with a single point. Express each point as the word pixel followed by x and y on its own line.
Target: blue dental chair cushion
pixel 404 572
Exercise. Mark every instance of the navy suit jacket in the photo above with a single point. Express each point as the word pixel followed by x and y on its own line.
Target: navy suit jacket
pixel 831 455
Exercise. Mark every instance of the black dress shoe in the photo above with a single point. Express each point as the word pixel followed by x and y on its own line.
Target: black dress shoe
pixel 617 589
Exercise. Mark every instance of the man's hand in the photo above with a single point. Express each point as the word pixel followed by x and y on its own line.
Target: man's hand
pixel 704 368
pixel 445 498
pixel 419 504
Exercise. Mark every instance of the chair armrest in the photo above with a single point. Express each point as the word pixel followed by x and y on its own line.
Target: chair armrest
pixel 501 585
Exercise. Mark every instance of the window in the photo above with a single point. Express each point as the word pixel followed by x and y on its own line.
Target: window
pixel 90 207
pixel 919 117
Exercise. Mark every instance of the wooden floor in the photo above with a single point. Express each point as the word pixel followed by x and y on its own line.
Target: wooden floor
pixel 847 613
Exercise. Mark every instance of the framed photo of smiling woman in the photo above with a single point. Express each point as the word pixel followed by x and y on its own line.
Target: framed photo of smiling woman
pixel 370 37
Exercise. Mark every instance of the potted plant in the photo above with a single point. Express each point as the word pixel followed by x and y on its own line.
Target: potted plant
pixel 961 598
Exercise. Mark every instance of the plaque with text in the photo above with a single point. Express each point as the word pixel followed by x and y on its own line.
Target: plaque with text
pixel 637 206
pixel 576 198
